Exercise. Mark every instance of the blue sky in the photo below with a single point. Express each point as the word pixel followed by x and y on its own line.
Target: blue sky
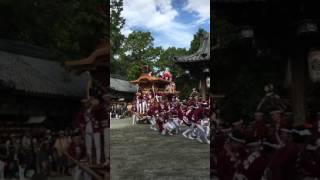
pixel 171 22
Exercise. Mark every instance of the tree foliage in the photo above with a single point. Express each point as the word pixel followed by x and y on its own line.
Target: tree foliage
pixel 195 43
pixel 166 60
pixel 137 50
pixel 131 53
pixel 116 22
pixel 72 27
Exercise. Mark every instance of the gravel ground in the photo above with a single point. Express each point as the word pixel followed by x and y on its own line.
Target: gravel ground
pixel 138 153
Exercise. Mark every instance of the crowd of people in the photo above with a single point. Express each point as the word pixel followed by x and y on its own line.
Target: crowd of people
pixel 26 154
pixel 118 111
pixel 268 147
pixel 56 153
pixel 168 115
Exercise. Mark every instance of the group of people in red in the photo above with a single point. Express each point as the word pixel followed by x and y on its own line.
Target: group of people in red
pixel 269 147
pixel 169 115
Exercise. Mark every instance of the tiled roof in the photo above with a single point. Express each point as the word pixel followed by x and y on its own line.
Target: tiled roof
pixel 203 53
pixel 122 85
pixel 39 76
pixel 19 47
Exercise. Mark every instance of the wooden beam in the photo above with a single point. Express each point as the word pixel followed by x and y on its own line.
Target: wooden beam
pixel 84 167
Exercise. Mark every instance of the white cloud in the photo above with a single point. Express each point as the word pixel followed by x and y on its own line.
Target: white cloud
pixel 158 17
pixel 200 7
pixel 126 31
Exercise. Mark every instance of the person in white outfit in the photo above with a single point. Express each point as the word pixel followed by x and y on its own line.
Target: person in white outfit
pixel 93 131
pixel 88 124
pixel 139 102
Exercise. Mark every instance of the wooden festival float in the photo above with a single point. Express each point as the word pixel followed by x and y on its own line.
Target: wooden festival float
pixel 158 86
pixel 97 65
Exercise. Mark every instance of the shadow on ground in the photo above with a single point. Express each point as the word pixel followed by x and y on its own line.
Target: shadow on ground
pixel 142 154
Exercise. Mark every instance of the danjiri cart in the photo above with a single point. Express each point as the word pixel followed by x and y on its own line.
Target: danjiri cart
pixel 156 89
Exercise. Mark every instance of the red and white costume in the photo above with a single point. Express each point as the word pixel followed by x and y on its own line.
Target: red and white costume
pixel 152 117
pixel 187 119
pixel 173 122
pixel 158 96
pixel 138 100
pixel 167 75
pixel 134 114
pixel 253 166
pixel 144 103
pixel 87 121
pixel 205 122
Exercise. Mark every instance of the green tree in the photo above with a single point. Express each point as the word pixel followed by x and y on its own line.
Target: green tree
pixel 116 22
pixel 139 44
pixel 138 50
pixel 72 27
pixel 166 60
pixel 195 43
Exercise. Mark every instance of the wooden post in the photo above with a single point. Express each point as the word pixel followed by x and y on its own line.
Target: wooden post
pixel 202 88
pixel 298 71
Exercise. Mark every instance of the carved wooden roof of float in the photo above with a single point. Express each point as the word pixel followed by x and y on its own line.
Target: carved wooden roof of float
pixel 146 78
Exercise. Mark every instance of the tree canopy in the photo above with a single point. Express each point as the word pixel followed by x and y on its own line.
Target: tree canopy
pixel 116 23
pixel 195 43
pixel 138 50
pixel 72 27
pixel 131 53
